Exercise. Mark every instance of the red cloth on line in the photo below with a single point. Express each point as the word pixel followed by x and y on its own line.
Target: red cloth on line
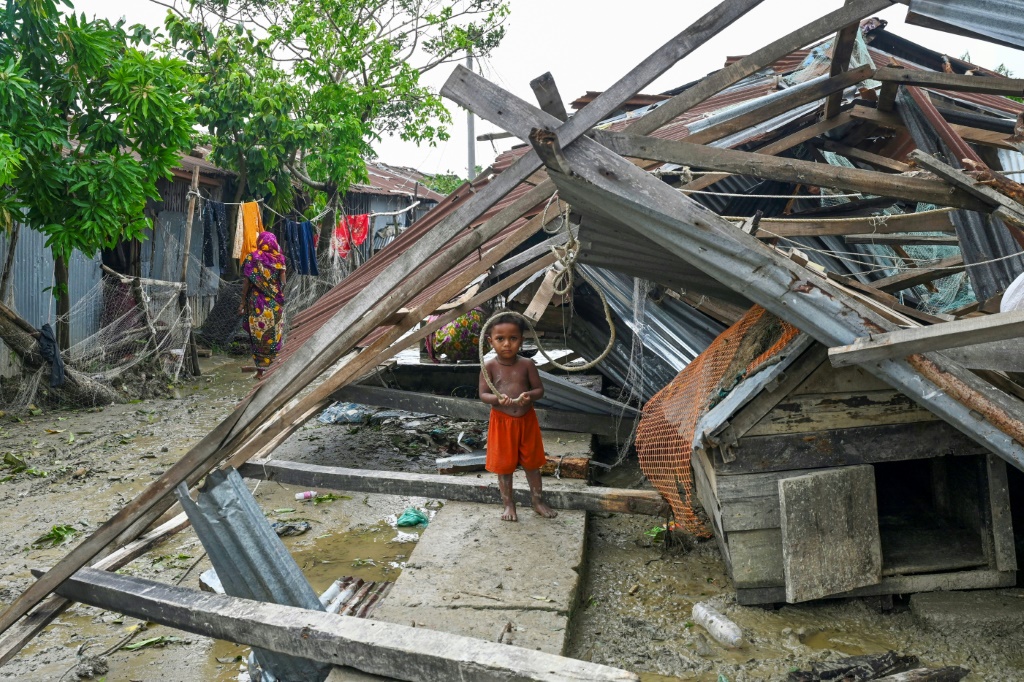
pixel 358 228
pixel 341 243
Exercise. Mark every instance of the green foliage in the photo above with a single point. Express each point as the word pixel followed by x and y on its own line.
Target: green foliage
pixel 92 121
pixel 1004 70
pixel 57 535
pixel 446 183
pixel 305 87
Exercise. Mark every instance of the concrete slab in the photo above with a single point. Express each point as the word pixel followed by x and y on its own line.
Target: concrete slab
pixel 473 574
pixel 996 612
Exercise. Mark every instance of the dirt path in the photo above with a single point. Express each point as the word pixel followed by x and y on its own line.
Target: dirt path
pixel 637 596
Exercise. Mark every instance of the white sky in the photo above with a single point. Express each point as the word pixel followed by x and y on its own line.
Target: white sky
pixel 589 44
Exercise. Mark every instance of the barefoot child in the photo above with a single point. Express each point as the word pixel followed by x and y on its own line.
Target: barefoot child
pixel 513 436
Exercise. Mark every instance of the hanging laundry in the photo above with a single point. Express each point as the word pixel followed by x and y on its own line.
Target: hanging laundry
pixel 358 228
pixel 341 242
pixel 208 230
pixel 236 244
pixel 291 246
pixel 252 225
pixel 307 241
pixel 220 220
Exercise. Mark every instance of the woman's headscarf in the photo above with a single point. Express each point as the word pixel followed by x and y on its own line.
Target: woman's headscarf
pixel 267 251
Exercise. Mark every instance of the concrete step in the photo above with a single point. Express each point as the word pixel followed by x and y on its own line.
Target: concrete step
pixel 473 574
pixel 992 612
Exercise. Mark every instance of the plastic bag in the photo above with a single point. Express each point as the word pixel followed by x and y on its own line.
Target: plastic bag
pixel 412 517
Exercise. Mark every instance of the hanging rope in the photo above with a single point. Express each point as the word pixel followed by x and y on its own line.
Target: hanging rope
pixel 562 285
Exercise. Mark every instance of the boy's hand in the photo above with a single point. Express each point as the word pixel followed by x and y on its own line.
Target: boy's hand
pixel 504 400
pixel 523 399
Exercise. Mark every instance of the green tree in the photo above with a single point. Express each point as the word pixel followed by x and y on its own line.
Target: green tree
pixel 302 89
pixel 91 121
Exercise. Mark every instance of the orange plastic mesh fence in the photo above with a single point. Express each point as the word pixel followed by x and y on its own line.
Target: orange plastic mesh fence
pixel 665 436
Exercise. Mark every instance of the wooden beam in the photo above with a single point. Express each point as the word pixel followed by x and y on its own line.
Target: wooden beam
pixel 513 262
pixel 789 100
pixel 842 50
pixel 464 489
pixel 788 170
pixel 876 160
pixel 372 646
pixel 902 240
pixel 548 97
pixel 777 147
pixel 332 341
pixel 904 342
pixel 464 408
pixel 1006 208
pixel 920 275
pixel 1005 87
pixel 893 121
pixel 890 305
pixel 926 221
pixel 754 62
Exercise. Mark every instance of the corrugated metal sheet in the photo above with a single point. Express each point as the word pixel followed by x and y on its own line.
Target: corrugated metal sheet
pixel 998 21
pixel 250 560
pixel 562 394
pixel 33 273
pixel 395 180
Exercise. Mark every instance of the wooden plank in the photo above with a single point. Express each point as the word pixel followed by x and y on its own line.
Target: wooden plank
pixel 464 408
pixel 464 489
pixel 756 558
pixel 548 97
pixel 43 614
pixel 780 105
pixel 904 342
pixel 902 584
pixel 999 356
pixel 375 647
pixel 787 170
pixel 876 160
pixel 829 379
pixel 543 297
pixel 893 121
pixel 812 413
pixel 754 62
pixel 842 50
pixel 902 240
pixel 927 221
pixel 777 147
pixel 1003 548
pixel 840 447
pixel 830 540
pixel 752 413
pixel 890 305
pixel 514 262
pixel 961 179
pixel 920 275
pixel 1005 87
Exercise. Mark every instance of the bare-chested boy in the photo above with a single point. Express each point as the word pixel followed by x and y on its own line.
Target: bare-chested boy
pixel 513 436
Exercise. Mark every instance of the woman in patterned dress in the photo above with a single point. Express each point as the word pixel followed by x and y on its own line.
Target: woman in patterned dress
pixel 262 306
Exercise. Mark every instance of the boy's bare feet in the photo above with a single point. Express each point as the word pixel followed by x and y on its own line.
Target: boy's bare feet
pixel 510 513
pixel 541 508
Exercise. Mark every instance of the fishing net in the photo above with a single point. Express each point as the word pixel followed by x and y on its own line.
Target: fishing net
pixel 664 439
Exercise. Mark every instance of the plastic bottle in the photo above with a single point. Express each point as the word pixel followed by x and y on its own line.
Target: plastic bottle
pixel 721 629
pixel 308 495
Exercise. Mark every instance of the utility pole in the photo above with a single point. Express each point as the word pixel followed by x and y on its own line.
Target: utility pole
pixel 470 128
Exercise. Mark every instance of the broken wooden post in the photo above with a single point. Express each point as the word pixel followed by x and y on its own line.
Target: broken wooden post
pixel 190 340
pixel 842 50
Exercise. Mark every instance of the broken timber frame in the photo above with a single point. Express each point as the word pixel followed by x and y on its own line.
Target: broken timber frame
pixel 396 284
pixel 610 187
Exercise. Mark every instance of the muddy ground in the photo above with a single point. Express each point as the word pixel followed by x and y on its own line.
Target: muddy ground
pixel 637 595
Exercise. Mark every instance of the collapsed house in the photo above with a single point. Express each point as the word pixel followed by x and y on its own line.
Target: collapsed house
pixel 834 444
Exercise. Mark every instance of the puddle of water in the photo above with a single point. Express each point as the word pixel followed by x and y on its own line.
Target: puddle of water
pixel 850 644
pixel 377 552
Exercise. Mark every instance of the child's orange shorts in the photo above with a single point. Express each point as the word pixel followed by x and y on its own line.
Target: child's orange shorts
pixel 513 441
